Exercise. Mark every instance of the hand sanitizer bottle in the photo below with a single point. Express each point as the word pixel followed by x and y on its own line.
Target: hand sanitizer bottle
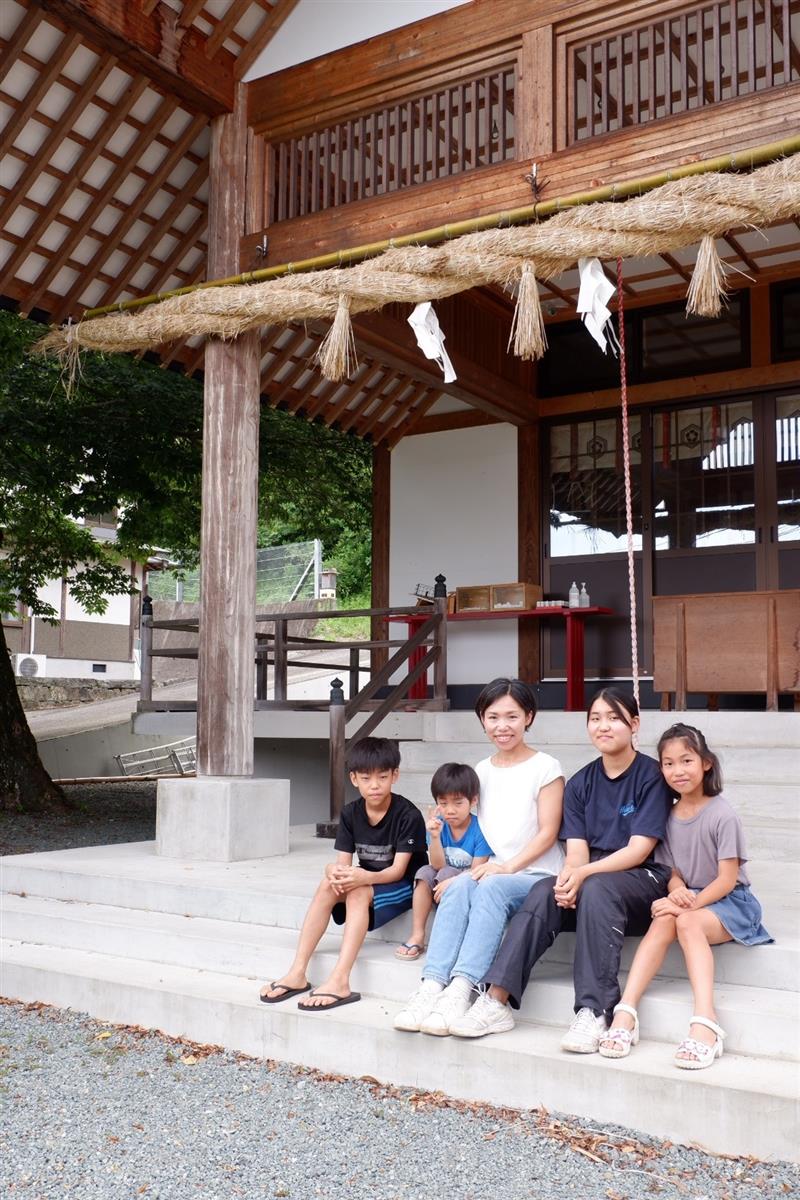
pixel 584 597
pixel 574 596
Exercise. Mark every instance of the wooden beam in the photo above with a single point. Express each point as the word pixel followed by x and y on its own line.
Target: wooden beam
pixel 20 37
pixel 225 26
pixel 535 95
pixel 40 87
pixel 191 9
pixel 155 45
pixel 393 343
pixel 413 418
pixel 226 663
pixel 468 418
pixel 266 31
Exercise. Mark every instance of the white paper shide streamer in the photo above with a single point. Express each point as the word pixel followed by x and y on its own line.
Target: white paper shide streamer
pixel 430 338
pixel 595 292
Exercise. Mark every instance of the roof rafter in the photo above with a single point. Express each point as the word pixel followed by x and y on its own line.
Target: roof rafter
pixel 155 45
pixel 266 31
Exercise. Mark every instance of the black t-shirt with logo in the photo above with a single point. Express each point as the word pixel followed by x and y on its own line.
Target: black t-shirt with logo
pixel 400 831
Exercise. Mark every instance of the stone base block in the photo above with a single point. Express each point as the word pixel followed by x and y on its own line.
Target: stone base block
pixel 212 819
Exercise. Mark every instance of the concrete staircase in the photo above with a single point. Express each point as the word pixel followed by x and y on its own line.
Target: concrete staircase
pixel 116 932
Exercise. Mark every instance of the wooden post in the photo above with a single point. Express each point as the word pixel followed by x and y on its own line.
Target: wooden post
pixel 145 650
pixel 226 667
pixel 381 499
pixel 262 666
pixel 680 651
pixel 529 542
pixel 535 103
pixel 440 641
pixel 355 673
pixel 281 668
pixel 336 760
pixel 772 654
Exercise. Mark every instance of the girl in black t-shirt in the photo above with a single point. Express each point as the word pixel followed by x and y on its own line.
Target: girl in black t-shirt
pixel 615 811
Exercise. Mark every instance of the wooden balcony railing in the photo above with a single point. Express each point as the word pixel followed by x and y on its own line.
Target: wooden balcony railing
pixel 694 58
pixel 458 128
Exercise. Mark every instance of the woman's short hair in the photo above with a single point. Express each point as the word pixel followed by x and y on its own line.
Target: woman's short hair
pixel 623 703
pixel 694 739
pixel 517 689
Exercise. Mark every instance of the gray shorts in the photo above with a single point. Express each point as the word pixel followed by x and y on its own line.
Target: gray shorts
pixel 433 875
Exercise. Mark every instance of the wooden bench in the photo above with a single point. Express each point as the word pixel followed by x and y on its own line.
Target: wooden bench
pixel 727 642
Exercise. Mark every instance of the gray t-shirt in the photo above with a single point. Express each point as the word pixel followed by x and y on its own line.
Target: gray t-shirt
pixel 695 847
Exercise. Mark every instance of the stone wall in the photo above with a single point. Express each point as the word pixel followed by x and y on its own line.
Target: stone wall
pixel 51 693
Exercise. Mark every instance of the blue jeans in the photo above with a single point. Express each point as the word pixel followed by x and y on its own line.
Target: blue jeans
pixel 470 923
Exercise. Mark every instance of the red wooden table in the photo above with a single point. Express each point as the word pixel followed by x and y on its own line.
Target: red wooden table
pixel 574 617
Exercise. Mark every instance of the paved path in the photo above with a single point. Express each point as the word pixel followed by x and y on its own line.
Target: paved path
pixel 48 723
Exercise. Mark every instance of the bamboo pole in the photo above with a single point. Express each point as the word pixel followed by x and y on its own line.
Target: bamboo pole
pixel 741 160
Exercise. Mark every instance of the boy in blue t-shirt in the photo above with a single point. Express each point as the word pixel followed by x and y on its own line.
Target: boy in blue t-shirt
pixel 455 844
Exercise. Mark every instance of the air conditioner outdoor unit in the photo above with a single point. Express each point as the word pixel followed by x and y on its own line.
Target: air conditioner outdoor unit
pixel 29 665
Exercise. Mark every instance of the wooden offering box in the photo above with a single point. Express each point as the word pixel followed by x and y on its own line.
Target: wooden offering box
pixel 474 599
pixel 515 595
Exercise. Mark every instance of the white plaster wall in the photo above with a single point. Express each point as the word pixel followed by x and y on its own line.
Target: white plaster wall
pixel 81 668
pixel 118 611
pixel 454 511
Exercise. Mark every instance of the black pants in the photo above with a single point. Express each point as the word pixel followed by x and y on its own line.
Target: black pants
pixel 608 907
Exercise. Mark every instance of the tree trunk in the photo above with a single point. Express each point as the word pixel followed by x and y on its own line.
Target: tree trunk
pixel 25 786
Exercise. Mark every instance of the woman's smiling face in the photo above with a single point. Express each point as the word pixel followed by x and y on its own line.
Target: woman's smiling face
pixel 505 723
pixel 608 730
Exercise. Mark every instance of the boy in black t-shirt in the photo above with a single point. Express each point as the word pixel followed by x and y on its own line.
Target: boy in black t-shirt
pixel 387 832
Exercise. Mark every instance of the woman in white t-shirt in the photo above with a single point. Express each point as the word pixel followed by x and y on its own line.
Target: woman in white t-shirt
pixel 519 811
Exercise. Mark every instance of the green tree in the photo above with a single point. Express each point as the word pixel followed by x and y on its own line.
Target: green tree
pixel 129 435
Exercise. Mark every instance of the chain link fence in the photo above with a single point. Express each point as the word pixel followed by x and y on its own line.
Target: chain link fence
pixel 283 574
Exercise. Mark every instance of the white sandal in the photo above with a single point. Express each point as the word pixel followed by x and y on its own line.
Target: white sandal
pixel 617 1043
pixel 704 1053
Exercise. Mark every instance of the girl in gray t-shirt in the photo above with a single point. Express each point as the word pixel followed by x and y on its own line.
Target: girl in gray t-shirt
pixel 709 899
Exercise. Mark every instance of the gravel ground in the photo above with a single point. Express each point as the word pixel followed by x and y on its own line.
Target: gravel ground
pixel 105 813
pixel 105 1112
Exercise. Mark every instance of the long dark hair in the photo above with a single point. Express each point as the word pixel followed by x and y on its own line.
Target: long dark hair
pixel 517 689
pixel 694 739
pixel 623 703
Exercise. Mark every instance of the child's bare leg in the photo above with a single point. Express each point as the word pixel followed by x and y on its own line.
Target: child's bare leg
pixel 698 931
pixel 315 923
pixel 355 930
pixel 646 964
pixel 421 906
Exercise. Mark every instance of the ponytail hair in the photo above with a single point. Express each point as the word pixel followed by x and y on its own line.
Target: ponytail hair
pixel 621 702
pixel 694 739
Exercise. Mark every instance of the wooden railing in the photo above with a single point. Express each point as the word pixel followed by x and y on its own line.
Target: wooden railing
pixel 412 658
pixel 458 128
pixel 697 57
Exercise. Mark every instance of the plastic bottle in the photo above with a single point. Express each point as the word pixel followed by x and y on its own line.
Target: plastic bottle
pixel 584 601
pixel 574 596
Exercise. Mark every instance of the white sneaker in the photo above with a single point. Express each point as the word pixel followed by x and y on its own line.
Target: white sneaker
pixel 585 1032
pixel 487 1015
pixel 452 1003
pixel 417 1007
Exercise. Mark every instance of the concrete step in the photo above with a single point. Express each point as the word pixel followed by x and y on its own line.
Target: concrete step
pixel 758 1021
pixel 748 765
pixel 722 729
pixel 742 1105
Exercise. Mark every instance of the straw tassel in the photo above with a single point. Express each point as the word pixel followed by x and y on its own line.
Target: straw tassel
pixel 708 287
pixel 527 328
pixel 337 353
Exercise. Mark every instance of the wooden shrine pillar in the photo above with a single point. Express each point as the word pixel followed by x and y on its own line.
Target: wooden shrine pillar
pixel 224 814
pixel 226 667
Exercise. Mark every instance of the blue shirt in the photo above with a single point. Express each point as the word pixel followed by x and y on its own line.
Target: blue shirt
pixel 607 813
pixel 472 844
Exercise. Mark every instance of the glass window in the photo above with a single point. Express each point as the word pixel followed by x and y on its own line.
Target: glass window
pixel 575 363
pixel 786 320
pixel 703 478
pixel 787 437
pixel 587 487
pixel 674 343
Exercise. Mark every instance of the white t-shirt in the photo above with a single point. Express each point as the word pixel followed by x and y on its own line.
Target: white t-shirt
pixel 508 811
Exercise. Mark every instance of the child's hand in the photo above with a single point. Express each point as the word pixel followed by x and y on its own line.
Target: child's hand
pixel 442 887
pixel 683 897
pixel 350 878
pixel 568 885
pixel 665 908
pixel 433 823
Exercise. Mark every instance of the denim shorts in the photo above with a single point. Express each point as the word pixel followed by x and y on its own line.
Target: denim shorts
pixel 739 913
